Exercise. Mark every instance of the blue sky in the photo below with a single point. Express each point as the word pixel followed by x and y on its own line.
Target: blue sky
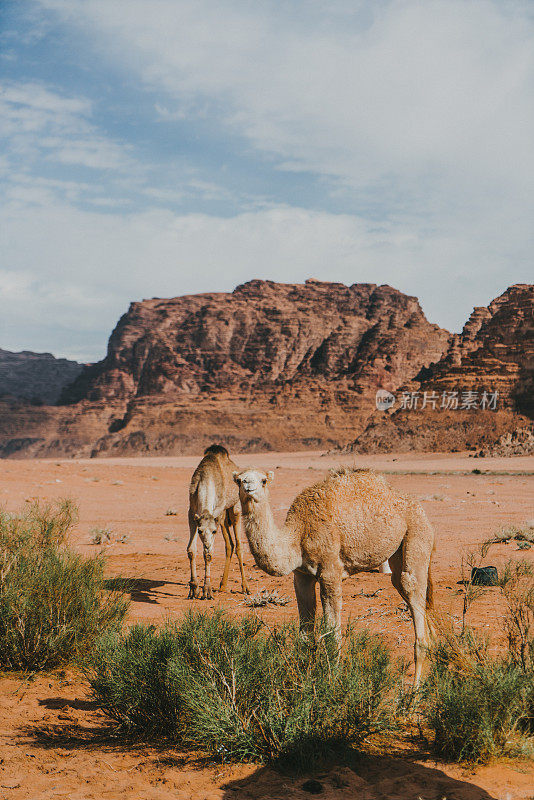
pixel 164 147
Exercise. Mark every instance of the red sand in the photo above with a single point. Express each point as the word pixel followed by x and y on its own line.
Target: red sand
pixel 49 743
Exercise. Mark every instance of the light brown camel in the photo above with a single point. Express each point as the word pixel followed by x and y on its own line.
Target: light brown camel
pixel 214 502
pixel 351 522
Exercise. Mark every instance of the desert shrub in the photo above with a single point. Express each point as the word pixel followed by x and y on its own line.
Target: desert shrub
pixel 242 692
pixel 517 586
pixel 480 704
pixel 52 602
pixel 37 526
pixel 476 704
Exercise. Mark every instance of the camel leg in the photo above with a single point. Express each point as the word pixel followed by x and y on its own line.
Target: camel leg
pixel 409 576
pixel 228 549
pixel 331 601
pixel 306 600
pixel 206 589
pixel 192 555
pixel 235 517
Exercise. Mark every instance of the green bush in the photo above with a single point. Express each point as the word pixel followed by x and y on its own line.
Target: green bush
pixel 241 692
pixel 53 605
pixel 478 705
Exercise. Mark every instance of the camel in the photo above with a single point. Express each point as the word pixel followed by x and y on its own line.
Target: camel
pixel 353 521
pixel 214 502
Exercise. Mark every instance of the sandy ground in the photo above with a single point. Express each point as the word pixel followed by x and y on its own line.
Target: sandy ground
pixel 52 739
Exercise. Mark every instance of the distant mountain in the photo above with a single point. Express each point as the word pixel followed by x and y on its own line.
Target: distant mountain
pixel 274 366
pixel 493 357
pixel 267 366
pixel 261 337
pixel 35 377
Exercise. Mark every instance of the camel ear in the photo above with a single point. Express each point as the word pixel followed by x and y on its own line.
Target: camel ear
pixel 235 476
pixel 270 476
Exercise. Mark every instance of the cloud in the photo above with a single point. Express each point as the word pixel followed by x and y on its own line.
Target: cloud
pixel 413 111
pixel 78 270
pixel 38 123
pixel 409 90
pixel 413 117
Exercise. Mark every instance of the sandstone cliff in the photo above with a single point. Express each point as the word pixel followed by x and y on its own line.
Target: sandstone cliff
pixel 267 366
pixel 263 336
pixel 493 354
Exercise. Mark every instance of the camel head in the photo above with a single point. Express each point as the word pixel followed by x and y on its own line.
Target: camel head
pixel 253 484
pixel 207 528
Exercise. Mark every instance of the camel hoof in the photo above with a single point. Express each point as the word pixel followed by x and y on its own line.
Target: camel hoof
pixel 193 592
pixel 246 590
pixel 206 593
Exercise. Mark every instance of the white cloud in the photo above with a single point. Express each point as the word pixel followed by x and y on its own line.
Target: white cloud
pixel 40 123
pixel 81 269
pixel 418 113
pixel 422 88
pixel 419 110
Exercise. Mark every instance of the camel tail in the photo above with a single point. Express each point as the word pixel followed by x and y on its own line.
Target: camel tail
pixel 429 591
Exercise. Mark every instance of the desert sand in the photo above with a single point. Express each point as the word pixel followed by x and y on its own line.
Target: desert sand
pixel 53 742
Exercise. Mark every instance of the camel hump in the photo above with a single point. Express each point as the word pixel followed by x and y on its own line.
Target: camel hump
pixel 356 477
pixel 216 450
pixel 335 472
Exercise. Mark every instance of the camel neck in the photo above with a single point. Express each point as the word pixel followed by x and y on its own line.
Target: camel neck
pixel 274 549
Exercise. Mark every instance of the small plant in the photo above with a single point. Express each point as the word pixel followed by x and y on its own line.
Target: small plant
pixel 519 533
pixel 470 590
pixel 100 536
pixel 481 705
pixel 171 512
pixel 52 602
pixel 477 705
pixel 517 586
pixel 242 692
pixel 265 597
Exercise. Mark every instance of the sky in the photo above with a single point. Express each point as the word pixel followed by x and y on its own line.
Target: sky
pixel 155 148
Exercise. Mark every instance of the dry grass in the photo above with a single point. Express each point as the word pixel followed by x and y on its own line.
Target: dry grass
pixel 265 597
pixel 53 605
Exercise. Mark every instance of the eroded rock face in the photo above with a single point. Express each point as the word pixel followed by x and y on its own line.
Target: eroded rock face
pixel 263 336
pixel 494 353
pixel 37 377
pixel 268 366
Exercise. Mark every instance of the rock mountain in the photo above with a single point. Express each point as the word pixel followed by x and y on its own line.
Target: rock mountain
pixel 268 365
pixel 37 377
pixel 275 366
pixel 494 353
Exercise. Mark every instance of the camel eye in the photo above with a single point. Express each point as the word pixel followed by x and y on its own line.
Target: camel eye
pixel 264 481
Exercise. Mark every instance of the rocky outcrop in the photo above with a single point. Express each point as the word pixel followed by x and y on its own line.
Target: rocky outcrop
pixel 261 337
pixel 29 431
pixel 519 442
pixel 274 366
pixel 36 377
pixel 495 351
pixel 268 366
pixel 493 357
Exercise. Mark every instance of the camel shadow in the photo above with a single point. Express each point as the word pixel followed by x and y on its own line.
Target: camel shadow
pixel 365 778
pixel 141 590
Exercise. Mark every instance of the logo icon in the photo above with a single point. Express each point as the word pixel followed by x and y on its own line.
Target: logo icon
pixel 384 400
